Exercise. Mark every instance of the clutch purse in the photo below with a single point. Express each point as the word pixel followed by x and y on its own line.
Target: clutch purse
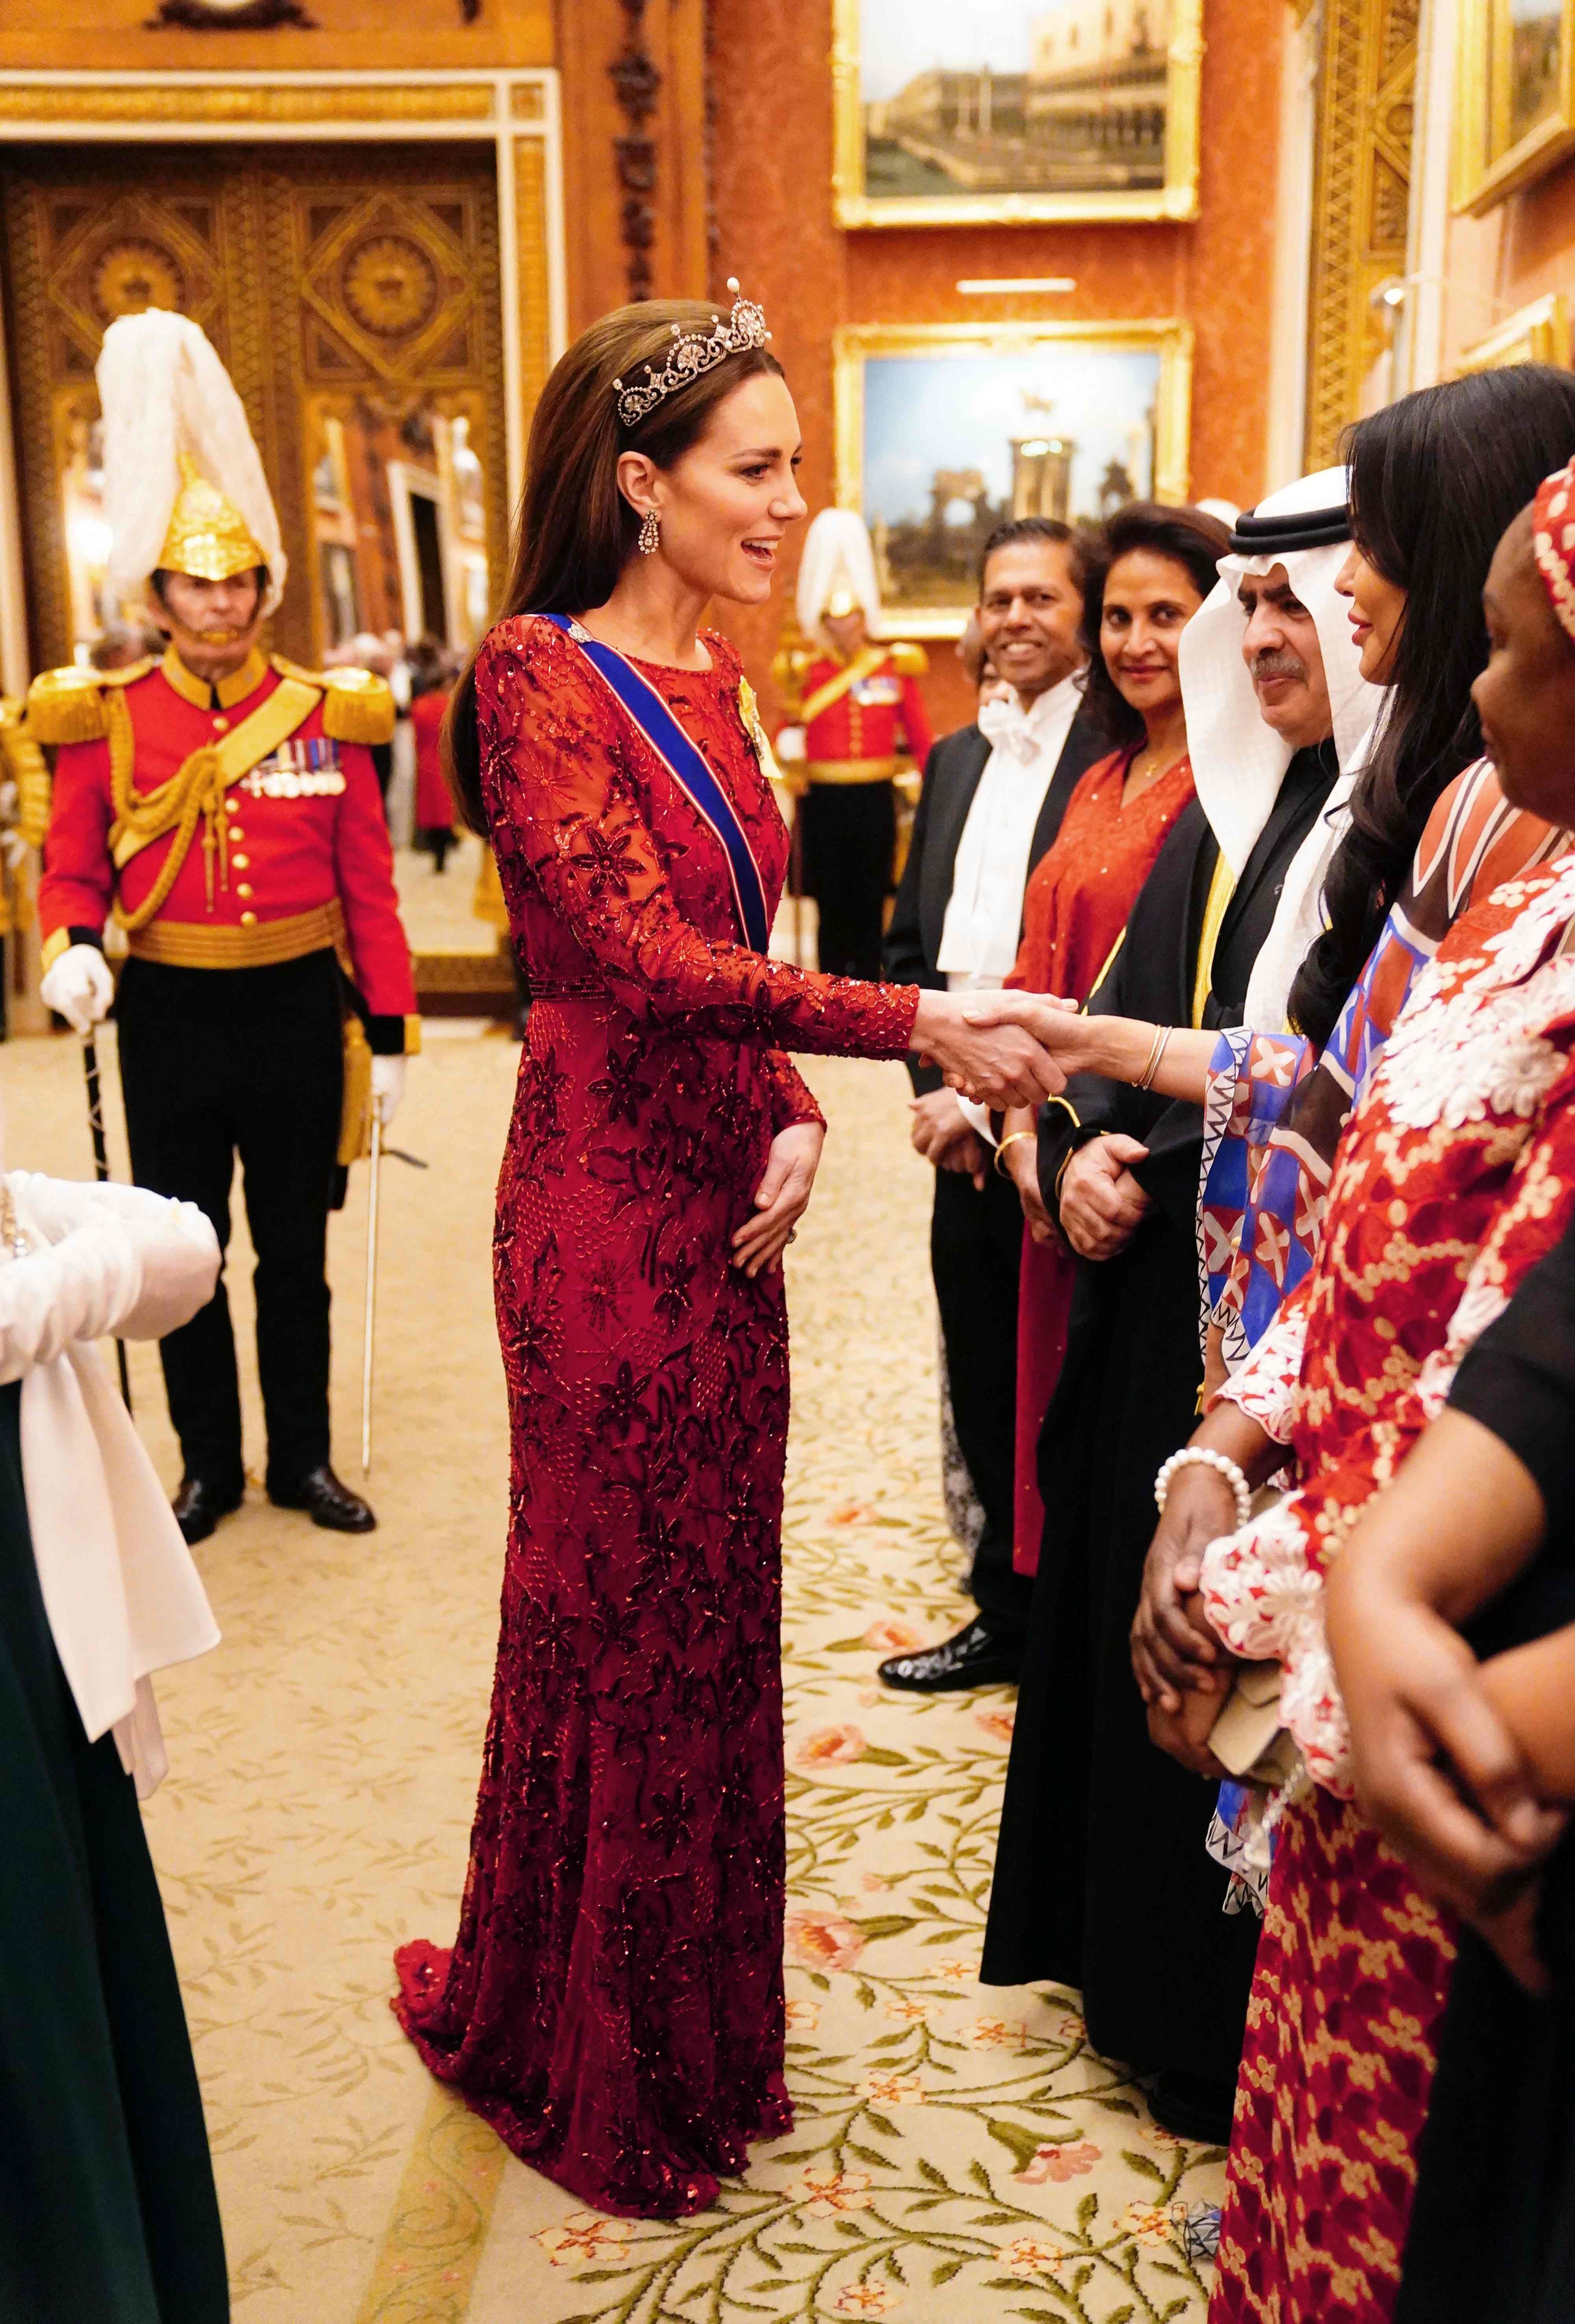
pixel 1247 1737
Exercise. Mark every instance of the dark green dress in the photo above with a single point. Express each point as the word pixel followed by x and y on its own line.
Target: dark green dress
pixel 107 2209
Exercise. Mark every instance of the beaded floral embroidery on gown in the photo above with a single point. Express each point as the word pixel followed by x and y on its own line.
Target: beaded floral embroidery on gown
pixel 613 2003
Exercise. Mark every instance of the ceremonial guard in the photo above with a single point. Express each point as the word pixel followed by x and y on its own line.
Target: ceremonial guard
pixel 225 808
pixel 859 718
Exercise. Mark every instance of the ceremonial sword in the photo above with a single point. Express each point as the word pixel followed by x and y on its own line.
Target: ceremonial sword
pixel 101 1159
pixel 372 1190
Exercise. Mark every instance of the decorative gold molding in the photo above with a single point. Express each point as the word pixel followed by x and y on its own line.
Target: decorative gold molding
pixel 532 289
pixel 1367 84
pixel 1538 334
pixel 223 105
pixel 526 102
pixel 1177 197
pixel 853 345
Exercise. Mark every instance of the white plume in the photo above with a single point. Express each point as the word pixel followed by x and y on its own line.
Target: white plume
pixel 164 392
pixel 836 555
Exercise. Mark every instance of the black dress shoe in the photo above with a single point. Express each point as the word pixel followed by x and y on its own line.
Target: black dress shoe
pixel 1194 2107
pixel 976 1656
pixel 326 1501
pixel 202 1501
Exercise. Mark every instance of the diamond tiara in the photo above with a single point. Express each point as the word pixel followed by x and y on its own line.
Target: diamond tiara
pixel 693 353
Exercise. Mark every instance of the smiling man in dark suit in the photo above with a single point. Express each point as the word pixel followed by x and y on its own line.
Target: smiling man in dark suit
pixel 993 798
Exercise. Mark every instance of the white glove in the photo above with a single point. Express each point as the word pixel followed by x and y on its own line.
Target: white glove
pixel 79 987
pixel 789 746
pixel 388 1087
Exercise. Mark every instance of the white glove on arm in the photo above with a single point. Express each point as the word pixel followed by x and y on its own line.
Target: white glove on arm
pixel 115 1259
pixel 388 1087
pixel 79 987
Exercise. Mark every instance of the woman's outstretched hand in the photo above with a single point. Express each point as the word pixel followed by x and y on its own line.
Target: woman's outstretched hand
pixel 1058 1027
pixel 1000 1062
pixel 782 1198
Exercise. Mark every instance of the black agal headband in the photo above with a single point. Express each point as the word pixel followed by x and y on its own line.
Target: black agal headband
pixel 1278 536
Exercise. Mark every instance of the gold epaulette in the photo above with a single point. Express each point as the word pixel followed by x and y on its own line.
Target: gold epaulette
pixel 28 769
pixel 358 707
pixel 67 705
pixel 789 665
pixel 907 659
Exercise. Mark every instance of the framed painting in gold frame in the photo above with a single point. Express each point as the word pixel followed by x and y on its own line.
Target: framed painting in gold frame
pixel 1538 334
pixel 1015 111
pixel 942 430
pixel 1514 101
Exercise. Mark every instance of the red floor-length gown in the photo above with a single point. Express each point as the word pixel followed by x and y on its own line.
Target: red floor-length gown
pixel 612 2004
pixel 1079 897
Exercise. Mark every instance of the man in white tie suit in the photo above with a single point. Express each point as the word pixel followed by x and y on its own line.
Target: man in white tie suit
pixel 994 795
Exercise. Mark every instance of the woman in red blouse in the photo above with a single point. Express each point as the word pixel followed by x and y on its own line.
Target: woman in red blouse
pixel 1160 569
pixel 613 2002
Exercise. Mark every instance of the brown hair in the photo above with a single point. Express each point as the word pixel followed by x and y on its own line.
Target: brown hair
pixel 576 531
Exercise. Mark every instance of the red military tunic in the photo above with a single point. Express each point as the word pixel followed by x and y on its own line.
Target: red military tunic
pixel 300 841
pixel 875 719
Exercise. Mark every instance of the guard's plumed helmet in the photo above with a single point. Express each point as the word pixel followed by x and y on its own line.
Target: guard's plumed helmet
pixel 183 485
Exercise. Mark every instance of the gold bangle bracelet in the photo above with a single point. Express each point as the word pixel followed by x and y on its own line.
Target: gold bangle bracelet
pixel 1012 1141
pixel 1156 1056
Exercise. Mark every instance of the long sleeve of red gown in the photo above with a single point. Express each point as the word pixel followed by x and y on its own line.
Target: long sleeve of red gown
pixel 566 783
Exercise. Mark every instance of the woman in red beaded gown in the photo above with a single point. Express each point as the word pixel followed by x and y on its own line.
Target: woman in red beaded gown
pixel 613 2002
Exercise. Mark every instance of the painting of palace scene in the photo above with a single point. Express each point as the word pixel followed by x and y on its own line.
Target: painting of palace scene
pixel 954 444
pixel 1009 105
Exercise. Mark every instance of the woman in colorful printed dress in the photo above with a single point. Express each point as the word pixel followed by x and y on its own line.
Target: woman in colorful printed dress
pixel 1083 889
pixel 1454 1177
pixel 613 2002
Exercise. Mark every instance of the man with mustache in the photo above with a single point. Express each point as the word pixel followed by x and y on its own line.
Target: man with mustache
pixel 223 806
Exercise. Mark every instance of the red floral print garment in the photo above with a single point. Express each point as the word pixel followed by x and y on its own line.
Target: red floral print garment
pixel 613 2003
pixel 1455 1177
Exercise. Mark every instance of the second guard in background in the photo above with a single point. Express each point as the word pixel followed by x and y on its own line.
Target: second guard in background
pixel 225 807
pixel 859 719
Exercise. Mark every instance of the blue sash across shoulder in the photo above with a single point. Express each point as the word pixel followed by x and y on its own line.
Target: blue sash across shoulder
pixel 687 767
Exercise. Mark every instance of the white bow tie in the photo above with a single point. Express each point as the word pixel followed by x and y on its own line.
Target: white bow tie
pixel 1005 727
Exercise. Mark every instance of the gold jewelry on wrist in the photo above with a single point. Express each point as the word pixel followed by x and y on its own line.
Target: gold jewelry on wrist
pixel 1012 1141
pixel 1161 1038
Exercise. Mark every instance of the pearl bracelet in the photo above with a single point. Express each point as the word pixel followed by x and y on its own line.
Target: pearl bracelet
pixel 1201 1456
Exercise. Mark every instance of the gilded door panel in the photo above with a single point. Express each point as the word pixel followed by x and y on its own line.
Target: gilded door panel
pixel 358 286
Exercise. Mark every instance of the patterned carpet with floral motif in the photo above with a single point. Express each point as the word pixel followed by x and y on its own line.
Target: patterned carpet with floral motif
pixel 959 2151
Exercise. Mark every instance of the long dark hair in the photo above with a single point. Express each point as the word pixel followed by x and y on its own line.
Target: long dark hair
pixel 576 531
pixel 1434 481
pixel 1194 540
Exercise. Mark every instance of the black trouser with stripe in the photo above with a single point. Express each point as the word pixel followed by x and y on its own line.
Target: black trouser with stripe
pixel 216 1063
pixel 976 1243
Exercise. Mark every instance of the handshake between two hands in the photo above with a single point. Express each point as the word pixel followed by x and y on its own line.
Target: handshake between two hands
pixel 1001 1049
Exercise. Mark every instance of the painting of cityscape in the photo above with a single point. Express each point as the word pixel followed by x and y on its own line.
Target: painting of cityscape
pixel 943 434
pixel 1015 109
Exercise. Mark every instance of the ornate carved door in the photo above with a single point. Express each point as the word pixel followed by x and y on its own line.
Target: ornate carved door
pixel 353 295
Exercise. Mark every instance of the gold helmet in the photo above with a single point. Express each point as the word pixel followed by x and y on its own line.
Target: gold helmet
pixel 183 485
pixel 208 537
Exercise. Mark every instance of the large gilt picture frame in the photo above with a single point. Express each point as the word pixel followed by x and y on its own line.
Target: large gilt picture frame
pixel 1015 111
pixel 1537 334
pixel 944 429
pixel 1514 103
